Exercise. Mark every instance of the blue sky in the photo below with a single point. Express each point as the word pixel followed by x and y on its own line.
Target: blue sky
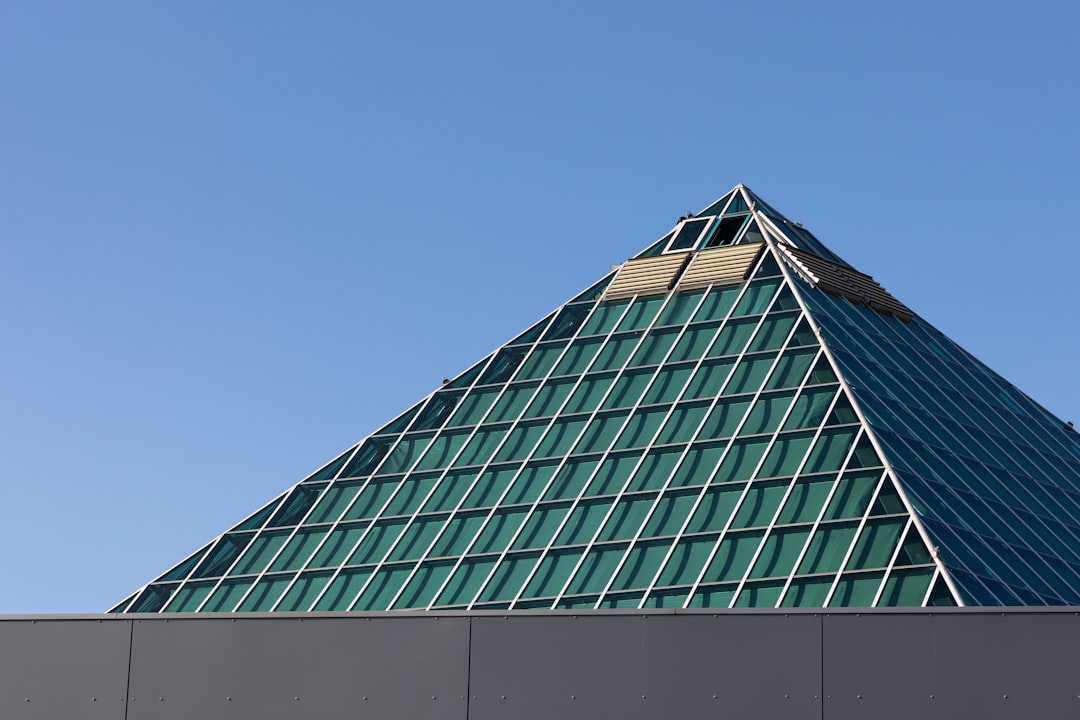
pixel 235 240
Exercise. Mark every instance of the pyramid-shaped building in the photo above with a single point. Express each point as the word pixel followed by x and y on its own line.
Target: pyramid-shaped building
pixel 735 417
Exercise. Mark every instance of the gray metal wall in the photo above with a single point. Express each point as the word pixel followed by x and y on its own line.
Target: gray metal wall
pixel 837 665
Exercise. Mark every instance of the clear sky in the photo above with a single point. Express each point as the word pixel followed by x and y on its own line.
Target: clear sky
pixel 235 238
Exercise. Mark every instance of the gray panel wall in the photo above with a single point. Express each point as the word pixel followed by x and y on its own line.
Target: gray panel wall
pixel 837 665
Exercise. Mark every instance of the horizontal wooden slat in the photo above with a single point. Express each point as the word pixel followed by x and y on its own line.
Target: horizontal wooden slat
pixel 651 275
pixel 847 283
pixel 720 266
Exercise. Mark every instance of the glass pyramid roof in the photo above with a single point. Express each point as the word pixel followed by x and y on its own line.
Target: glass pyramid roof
pixel 734 418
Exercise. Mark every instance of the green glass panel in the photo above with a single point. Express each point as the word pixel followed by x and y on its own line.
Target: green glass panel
pixel 383 587
pixel 327 472
pixel 792 368
pixel 449 491
pixel 698 466
pixel 260 552
pixel 416 539
pixel 561 437
pixel 655 346
pixel 509 577
pixel 767 412
pixel 502 367
pixel 773 332
pixel 694 342
pixel 807 592
pixel 683 423
pixel 299 548
pixel 343 590
pixel 338 545
pixel 537 365
pixel 906 588
pixel 715 509
pixel 641 313
pixel 749 374
pixel 589 393
pixel 680 308
pixel 596 569
pixel 757 297
pixel 152 598
pixel 613 473
pixel 596 290
pixel 760 504
pixel 442 451
pixel 333 502
pixel 733 557
pixel 578 356
pixel 437 410
pixel 190 597
pixel 687 560
pixel 553 572
pixel 641 428
pixel 540 528
pixel 550 398
pixel 655 470
pixel 520 442
pixel 304 591
pixel 466 581
pixel 717 303
pixel 227 595
pixel 421 589
pixel 532 334
pixel 760 595
pixel 856 590
pixel 412 491
pixel 296 505
pixel 876 545
pixel 734 337
pixel 725 231
pixel 628 389
pixel 641 565
pixel 371 499
pixel 627 518
pixel 741 460
pixel 622 600
pixel 822 372
pixel 180 572
pixel 708 379
pixel 583 523
pixel 405 453
pixel 688 234
pixel 222 555
pixel 827 549
pixel 668 385
pixel 458 534
pixel 571 479
pixel 829 451
pixel 725 417
pixel 466 378
pixel 368 457
pixel 513 402
pixel 481 447
pixel 913 551
pixel 670 513
pixel 531 482
pixel 780 552
pixel 568 320
pixel 810 408
pixel 852 495
pixel 378 540
pixel 714 596
pixel 675 598
pixel 786 455
pixel 805 501
pixel 616 352
pixel 601 432
pixel 265 593
pixel 604 317
pixel 501 526
pixel 471 410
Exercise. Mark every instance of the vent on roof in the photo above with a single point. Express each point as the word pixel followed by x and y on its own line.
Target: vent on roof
pixel 647 276
pixel 720 266
pixel 845 282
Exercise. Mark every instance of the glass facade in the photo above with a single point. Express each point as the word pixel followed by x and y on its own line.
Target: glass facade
pixel 682 447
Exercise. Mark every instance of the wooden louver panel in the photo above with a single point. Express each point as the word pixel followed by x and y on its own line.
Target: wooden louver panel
pixel 647 276
pixel 721 266
pixel 847 283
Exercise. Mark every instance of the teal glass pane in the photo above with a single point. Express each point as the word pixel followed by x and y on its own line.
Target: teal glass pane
pixel 715 509
pixel 152 598
pixel 260 552
pixel 520 442
pixel 299 548
pixel 906 588
pixel 466 580
pixel 501 526
pixel 734 337
pixel 378 540
pixel 791 369
pixel 780 552
pixel 708 379
pixel 622 600
pixel 567 321
pixel 416 539
pixel 656 248
pixel 578 356
pixel 641 565
pixel 190 596
pixel 852 496
pixel 266 592
pixel 596 569
pixel 552 573
pixel 333 502
pixel 749 374
pixel 604 317
pixel 338 545
pixel 613 473
pixel 717 303
pixel 583 523
pixel 773 332
pixel 670 514
pixel 601 432
pixel 756 298
pixel 698 466
pixel 786 455
pixel 829 451
pixel 531 482
pixel 712 596
pixel 560 437
pixel 449 492
pixel 532 334
pixel 481 446
pixel 733 557
pixel 742 458
pixel 472 409
pixel 680 308
pixel 806 500
pixel 540 528
pixel 688 234
pixel 725 417
pixel 503 365
pixel 641 313
pixel 628 389
pixel 668 385
pixel 641 428
pixel 296 505
pixel 550 398
pixel 654 471
pixel 571 479
pixel 368 457
pixel 371 499
pixel 760 595
pixel 405 453
pixel 687 560
pixel 412 491
pixel 540 361
pixel 589 393
pixel 512 402
pixel 343 590
pixel 767 413
pixel 913 551
pixel 694 342
pixel 302 594
pixel 810 408
pixel 227 596
pixel 760 504
pixel 421 589
pixel 827 548
pixel 457 536
pixel 683 423
pixel 877 543
pixel 327 472
pixel 384 585
pixel 616 352
pixel 222 555
pixel 490 487
pixel 437 409
pixel 808 592
pixel 509 576
pixel 856 590
pixel 180 571
pixel 627 517
pixel 442 451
